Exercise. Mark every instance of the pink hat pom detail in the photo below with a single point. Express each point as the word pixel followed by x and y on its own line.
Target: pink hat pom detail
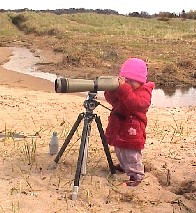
pixel 134 69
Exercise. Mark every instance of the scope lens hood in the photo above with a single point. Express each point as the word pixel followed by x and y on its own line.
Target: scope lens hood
pixel 61 85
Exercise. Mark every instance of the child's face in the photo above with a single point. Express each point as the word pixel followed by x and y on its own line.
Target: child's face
pixel 134 84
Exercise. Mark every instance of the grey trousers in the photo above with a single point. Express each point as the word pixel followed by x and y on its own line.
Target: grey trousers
pixel 131 162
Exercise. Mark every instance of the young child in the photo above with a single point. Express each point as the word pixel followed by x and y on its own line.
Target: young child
pixel 127 121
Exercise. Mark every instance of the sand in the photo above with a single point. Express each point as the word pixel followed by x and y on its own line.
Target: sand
pixel 30 111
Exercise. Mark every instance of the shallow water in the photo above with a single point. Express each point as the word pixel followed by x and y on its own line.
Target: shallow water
pixel 24 61
pixel 178 99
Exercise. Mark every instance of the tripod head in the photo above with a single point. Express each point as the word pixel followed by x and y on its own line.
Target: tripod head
pixel 90 103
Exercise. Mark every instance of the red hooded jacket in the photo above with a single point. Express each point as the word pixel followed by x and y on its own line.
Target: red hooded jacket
pixel 127 121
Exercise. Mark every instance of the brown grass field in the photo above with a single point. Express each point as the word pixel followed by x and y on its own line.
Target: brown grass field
pixel 90 45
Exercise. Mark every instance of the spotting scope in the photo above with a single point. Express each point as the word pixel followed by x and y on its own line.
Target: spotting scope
pixel 102 83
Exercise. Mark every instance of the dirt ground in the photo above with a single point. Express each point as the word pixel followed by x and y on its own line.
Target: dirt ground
pixel 30 111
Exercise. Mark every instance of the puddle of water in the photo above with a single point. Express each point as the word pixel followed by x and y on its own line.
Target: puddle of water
pixel 24 61
pixel 178 99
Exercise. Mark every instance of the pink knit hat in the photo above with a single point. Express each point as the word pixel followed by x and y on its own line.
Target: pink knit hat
pixel 135 69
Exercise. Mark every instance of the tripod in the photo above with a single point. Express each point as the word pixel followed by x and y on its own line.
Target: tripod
pixel 90 104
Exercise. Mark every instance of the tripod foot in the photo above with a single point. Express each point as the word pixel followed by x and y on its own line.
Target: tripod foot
pixel 52 166
pixel 75 193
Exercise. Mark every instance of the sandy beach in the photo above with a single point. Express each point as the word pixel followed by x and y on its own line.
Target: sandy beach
pixel 31 111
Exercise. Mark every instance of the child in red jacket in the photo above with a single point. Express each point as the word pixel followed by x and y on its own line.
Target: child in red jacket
pixel 127 121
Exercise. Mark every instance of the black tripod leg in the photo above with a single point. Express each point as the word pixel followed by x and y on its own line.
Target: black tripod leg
pixel 70 135
pixel 80 158
pixel 105 145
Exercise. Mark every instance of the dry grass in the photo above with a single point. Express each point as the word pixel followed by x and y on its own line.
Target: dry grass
pixel 105 41
pixel 8 31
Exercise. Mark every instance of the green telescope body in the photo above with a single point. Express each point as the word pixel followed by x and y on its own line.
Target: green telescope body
pixel 102 83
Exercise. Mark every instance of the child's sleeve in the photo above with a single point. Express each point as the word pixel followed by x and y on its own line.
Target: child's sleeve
pixel 110 97
pixel 132 100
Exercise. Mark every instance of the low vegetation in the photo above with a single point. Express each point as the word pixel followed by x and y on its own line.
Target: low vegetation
pixel 7 30
pixel 103 42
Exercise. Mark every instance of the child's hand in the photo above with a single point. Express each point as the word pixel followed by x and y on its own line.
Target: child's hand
pixel 121 80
